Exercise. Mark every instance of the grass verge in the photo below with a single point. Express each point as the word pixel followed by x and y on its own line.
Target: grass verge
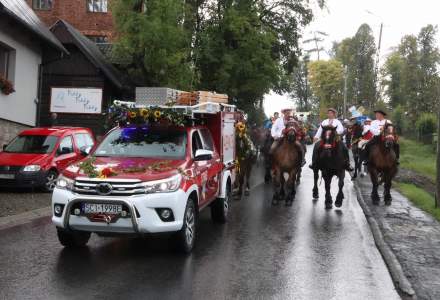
pixel 418 157
pixel 420 198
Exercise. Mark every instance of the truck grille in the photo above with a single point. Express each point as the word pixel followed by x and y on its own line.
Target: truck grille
pixel 108 188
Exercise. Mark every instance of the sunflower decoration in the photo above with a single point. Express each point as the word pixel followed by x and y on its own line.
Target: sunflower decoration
pixel 144 113
pixel 241 127
pixel 157 114
pixel 132 114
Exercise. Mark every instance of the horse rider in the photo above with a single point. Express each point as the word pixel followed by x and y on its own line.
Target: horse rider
pixel 278 128
pixel 376 128
pixel 334 122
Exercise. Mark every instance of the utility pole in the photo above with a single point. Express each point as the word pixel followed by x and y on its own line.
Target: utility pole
pixel 437 194
pixel 377 62
pixel 345 91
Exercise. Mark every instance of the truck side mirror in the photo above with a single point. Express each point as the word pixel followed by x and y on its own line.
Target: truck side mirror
pixel 203 155
pixel 85 150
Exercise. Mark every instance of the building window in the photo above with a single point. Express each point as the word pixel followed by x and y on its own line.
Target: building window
pixel 42 4
pixel 7 62
pixel 97 6
pixel 98 39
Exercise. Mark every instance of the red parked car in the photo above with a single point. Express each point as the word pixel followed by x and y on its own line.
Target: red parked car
pixel 36 156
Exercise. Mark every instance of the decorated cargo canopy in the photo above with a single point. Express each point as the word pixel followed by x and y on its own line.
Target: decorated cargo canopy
pixel 219 118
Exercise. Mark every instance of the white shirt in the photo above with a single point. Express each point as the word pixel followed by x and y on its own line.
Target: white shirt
pixel 377 126
pixel 330 122
pixel 366 129
pixel 277 128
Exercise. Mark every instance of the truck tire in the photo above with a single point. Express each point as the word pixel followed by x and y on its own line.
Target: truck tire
pixel 186 237
pixel 73 239
pixel 220 208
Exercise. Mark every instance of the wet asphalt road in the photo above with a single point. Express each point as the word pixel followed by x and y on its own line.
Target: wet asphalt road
pixel 264 252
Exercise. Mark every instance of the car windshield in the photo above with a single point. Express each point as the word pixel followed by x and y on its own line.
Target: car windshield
pixel 38 144
pixel 155 142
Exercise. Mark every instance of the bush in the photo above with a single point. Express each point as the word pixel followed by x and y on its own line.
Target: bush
pixel 426 125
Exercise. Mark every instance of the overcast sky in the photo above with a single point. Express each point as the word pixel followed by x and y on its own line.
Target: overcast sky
pixel 342 18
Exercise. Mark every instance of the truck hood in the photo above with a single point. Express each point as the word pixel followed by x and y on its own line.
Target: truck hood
pixel 144 169
pixel 22 159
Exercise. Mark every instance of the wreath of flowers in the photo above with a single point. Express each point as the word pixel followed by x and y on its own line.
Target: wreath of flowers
pixel 88 168
pixel 123 115
pixel 6 87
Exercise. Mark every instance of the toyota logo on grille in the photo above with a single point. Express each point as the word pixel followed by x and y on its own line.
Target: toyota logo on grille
pixel 104 188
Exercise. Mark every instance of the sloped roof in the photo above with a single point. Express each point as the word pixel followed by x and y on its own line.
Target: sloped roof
pixel 21 12
pixel 92 52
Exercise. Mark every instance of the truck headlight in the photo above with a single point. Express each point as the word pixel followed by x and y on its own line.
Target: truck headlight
pixel 65 183
pixel 168 185
pixel 32 168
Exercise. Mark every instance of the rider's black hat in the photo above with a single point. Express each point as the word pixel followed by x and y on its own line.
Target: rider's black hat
pixel 381 111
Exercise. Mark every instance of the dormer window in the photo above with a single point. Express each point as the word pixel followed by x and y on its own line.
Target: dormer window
pixel 98 6
pixel 42 4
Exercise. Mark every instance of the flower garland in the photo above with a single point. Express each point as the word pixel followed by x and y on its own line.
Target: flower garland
pixel 123 115
pixel 89 169
pixel 6 87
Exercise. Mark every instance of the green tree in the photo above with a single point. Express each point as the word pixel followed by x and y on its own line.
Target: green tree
pixel 393 79
pixel 358 53
pixel 429 60
pixel 301 91
pixel 327 81
pixel 152 45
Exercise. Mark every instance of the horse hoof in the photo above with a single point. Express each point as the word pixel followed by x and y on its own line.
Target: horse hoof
pixel 247 193
pixel 328 206
pixel 289 203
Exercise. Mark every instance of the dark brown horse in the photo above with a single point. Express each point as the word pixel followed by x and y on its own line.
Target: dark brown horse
pixel 355 137
pixel 330 162
pixel 246 156
pixel 382 163
pixel 286 169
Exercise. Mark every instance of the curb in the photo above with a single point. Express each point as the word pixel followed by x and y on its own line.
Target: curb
pixel 23 218
pixel 400 280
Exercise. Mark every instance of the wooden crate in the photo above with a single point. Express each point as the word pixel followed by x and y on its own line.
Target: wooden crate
pixel 186 98
pixel 204 96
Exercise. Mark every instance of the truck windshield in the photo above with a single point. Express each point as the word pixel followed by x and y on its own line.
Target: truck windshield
pixel 155 142
pixel 35 144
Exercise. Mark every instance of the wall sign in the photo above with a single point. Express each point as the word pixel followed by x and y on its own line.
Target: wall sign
pixel 76 100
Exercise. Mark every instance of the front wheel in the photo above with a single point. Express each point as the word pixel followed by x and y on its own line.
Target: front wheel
pixel 187 235
pixel 50 181
pixel 72 238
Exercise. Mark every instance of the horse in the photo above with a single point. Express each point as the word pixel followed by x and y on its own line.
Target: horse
pixel 382 163
pixel 246 157
pixel 258 137
pixel 330 162
pixel 286 161
pixel 355 137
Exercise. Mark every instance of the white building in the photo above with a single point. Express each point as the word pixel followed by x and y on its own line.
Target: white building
pixel 23 38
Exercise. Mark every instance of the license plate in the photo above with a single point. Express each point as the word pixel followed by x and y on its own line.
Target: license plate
pixel 99 208
pixel 7 176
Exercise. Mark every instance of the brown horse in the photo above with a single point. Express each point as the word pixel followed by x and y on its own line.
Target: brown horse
pixel 286 162
pixel 382 163
pixel 246 156
pixel 331 162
